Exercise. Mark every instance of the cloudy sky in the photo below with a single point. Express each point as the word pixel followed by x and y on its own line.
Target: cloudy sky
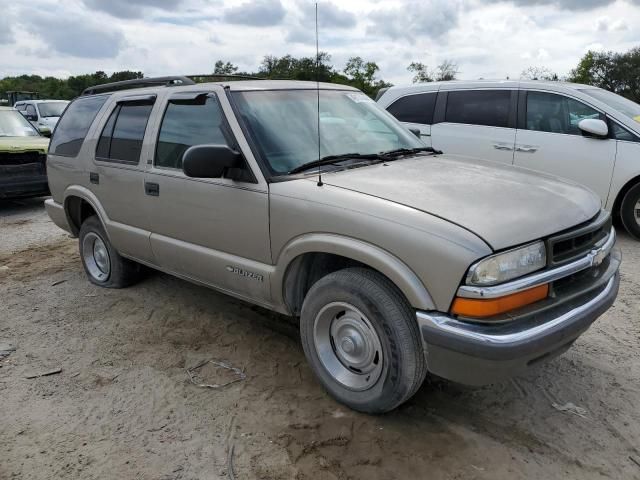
pixel 487 38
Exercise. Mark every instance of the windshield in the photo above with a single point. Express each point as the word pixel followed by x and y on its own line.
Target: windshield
pixel 284 124
pixel 52 109
pixel 623 105
pixel 13 124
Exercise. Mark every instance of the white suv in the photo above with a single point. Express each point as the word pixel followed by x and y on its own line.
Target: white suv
pixel 579 132
pixel 43 114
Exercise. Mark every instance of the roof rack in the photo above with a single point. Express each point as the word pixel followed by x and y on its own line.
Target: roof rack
pixel 224 75
pixel 171 81
pixel 138 83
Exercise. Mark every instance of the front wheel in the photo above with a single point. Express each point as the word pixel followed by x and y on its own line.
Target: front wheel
pixel 630 211
pixel 362 340
pixel 102 263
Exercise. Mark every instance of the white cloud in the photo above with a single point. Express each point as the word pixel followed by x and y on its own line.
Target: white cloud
pixel 487 38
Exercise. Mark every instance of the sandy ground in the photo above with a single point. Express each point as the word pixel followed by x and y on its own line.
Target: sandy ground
pixel 123 407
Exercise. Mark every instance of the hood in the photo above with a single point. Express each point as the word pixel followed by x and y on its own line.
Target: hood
pixel 504 205
pixel 23 144
pixel 49 121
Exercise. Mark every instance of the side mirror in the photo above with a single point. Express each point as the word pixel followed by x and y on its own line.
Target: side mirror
pixel 415 131
pixel 44 131
pixel 594 127
pixel 209 161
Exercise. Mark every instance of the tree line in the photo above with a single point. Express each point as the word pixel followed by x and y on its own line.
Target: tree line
pixel 614 71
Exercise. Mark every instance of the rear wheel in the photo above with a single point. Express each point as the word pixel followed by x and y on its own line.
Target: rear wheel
pixel 362 341
pixel 102 263
pixel 630 211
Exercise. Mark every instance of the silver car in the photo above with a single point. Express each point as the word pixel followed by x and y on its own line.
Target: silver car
pixel 316 203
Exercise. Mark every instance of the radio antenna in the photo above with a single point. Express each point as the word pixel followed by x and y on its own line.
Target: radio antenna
pixel 318 96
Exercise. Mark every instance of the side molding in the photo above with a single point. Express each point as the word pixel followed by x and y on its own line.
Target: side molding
pixel 383 261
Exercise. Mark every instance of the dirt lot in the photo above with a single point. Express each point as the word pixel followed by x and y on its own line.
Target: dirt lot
pixel 123 407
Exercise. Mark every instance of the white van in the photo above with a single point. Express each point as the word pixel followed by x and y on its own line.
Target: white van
pixel 579 132
pixel 43 114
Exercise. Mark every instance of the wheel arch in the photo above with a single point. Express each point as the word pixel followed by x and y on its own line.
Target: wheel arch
pixel 308 258
pixel 79 203
pixel 617 204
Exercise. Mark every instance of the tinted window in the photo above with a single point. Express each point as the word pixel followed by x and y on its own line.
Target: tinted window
pixel 121 138
pixel 187 123
pixel 547 112
pixel 31 110
pixel 74 125
pixel 620 133
pixel 414 108
pixel 479 107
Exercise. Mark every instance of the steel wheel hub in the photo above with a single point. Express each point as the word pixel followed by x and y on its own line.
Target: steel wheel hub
pixel 96 257
pixel 348 346
pixel 637 211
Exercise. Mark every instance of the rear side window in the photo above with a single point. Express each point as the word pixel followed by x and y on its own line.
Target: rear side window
pixel 414 108
pixel 197 121
pixel 74 125
pixel 548 112
pixel 122 135
pixel 479 107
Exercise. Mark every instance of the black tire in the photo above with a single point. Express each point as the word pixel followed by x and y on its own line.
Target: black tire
pixel 630 220
pixel 120 273
pixel 391 316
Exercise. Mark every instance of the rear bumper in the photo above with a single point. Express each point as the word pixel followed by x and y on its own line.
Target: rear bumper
pixel 480 354
pixel 23 186
pixel 57 214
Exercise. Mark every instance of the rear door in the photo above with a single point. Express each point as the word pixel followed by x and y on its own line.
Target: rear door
pixel 548 139
pixel 117 175
pixel 477 123
pixel 416 112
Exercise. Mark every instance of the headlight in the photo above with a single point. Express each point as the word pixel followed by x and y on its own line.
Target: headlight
pixel 508 265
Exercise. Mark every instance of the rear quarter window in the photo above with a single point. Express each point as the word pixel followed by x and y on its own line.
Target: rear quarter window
pixel 74 125
pixel 417 108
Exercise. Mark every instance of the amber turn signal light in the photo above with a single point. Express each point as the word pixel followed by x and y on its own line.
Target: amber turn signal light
pixel 482 308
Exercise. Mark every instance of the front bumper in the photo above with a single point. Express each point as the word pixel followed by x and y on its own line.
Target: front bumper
pixel 26 186
pixel 480 354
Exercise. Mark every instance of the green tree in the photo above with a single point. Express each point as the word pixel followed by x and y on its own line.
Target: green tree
pixel 616 72
pixel 421 73
pixel 447 70
pixel 539 73
pixel 224 68
pixel 362 74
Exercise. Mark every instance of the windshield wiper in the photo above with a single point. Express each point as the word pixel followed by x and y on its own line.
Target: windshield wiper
pixel 406 151
pixel 332 159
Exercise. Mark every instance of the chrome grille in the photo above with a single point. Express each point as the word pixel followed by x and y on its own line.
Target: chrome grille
pixel 576 242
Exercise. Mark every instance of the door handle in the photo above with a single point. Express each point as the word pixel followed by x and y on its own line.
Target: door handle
pixel 526 149
pixel 152 189
pixel 502 146
pixel 94 178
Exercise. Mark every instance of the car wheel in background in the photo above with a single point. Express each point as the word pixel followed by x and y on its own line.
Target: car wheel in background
pixel 630 211
pixel 362 340
pixel 102 263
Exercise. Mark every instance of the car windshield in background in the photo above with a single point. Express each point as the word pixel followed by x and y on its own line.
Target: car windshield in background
pixel 13 124
pixel 51 109
pixel 284 124
pixel 623 105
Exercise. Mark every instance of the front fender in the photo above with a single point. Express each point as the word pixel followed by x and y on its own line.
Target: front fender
pixel 383 261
